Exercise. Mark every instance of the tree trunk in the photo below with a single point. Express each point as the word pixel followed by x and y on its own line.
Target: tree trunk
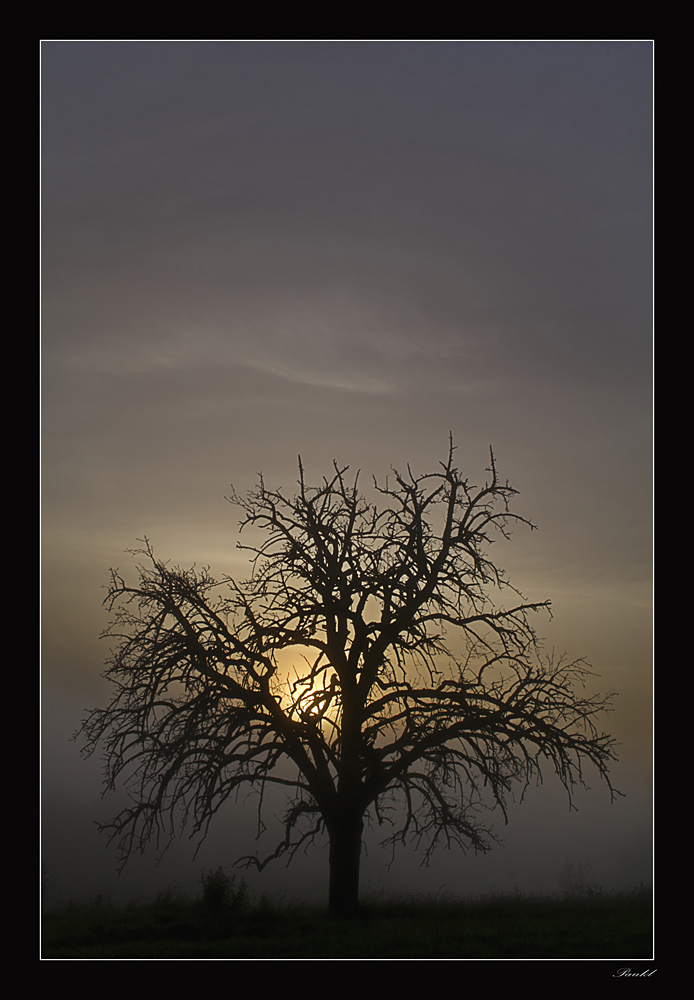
pixel 345 856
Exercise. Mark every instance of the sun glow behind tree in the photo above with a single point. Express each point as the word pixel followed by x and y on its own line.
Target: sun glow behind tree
pixel 335 656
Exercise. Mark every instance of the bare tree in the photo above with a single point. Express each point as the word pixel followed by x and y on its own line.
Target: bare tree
pixel 416 699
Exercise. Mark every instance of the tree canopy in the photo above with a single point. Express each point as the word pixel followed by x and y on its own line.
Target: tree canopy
pixel 419 694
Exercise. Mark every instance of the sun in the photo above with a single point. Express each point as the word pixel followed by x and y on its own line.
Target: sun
pixel 307 687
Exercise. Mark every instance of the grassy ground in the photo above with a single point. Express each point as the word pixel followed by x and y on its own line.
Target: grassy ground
pixel 599 925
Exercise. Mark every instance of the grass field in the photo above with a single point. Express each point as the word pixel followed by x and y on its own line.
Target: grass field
pixel 222 923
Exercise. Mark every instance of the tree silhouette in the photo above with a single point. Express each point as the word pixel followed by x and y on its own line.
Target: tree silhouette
pixel 415 699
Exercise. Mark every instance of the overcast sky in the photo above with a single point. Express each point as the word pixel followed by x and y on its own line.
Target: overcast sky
pixel 346 250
